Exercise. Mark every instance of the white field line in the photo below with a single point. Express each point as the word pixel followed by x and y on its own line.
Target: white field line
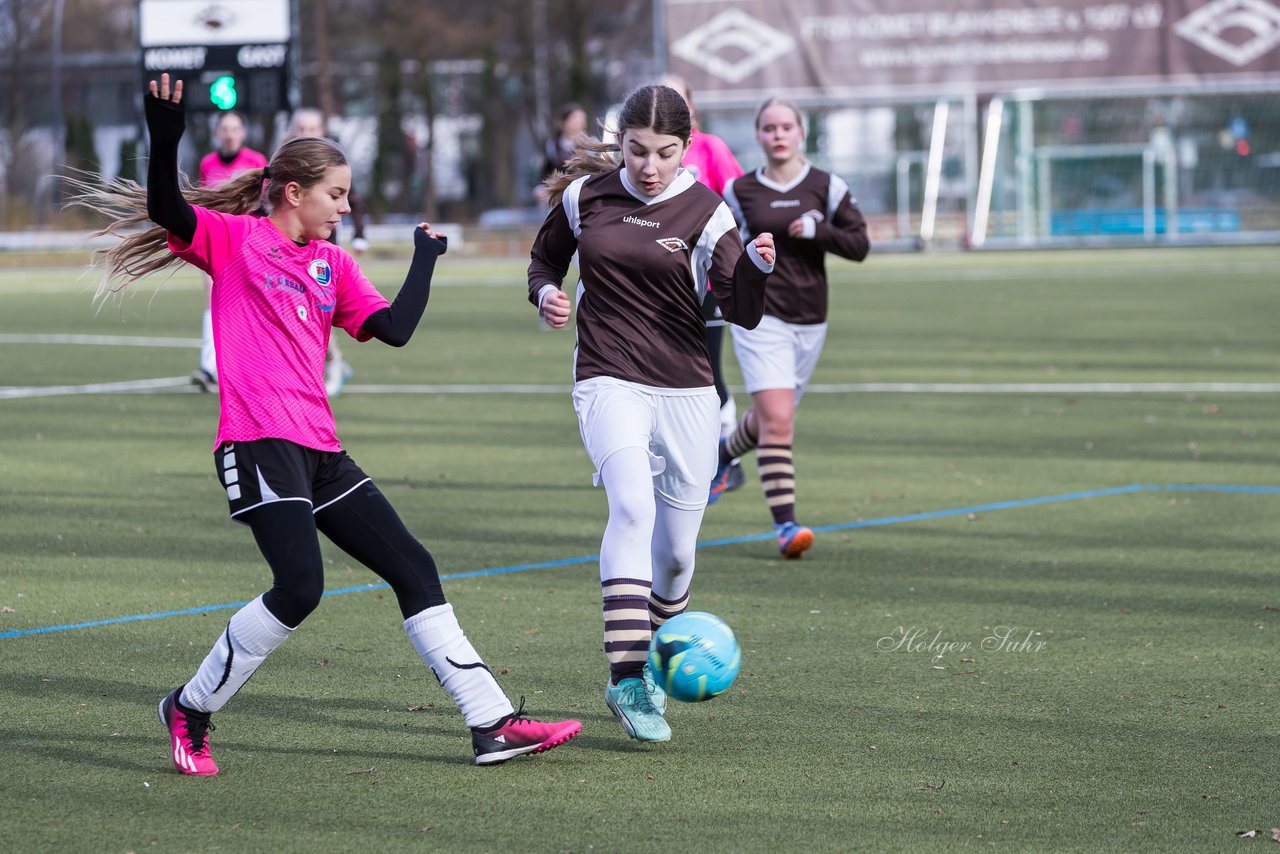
pixel 183 385
pixel 1043 388
pixel 98 340
pixel 125 387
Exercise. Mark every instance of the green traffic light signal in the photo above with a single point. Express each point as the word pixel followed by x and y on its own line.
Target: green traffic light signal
pixel 222 92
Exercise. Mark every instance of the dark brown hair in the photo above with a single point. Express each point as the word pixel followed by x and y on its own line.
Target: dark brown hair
pixel 658 108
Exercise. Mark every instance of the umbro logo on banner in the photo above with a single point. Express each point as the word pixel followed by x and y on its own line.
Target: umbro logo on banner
pixel 1205 28
pixel 733 45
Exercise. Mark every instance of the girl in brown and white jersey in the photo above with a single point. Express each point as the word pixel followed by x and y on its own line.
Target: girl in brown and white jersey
pixel 651 242
pixel 813 214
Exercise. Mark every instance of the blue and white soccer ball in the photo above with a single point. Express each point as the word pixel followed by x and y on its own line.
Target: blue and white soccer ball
pixel 694 656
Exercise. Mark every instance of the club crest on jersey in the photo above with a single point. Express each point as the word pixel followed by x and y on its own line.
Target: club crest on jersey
pixel 302 312
pixel 672 244
pixel 320 271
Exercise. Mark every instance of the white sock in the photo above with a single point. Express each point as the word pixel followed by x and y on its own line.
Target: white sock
pixel 208 357
pixel 728 416
pixel 250 636
pixel 445 649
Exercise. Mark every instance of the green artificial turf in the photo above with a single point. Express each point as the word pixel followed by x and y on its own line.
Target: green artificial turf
pixel 955 664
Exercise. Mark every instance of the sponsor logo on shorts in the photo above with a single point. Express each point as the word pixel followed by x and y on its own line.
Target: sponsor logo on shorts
pixel 672 244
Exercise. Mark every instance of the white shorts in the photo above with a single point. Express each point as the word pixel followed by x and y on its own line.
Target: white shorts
pixel 678 427
pixel 777 354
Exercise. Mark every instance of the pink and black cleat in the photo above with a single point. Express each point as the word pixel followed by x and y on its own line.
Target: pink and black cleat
pixel 516 735
pixel 188 737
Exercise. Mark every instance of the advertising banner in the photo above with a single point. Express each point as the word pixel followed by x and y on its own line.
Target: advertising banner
pixel 823 50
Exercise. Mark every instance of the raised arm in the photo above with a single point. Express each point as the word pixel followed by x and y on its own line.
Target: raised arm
pixel 166 120
pixel 396 323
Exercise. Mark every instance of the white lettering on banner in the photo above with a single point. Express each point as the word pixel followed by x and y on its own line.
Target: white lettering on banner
pixel 174 58
pixel 986 53
pixel 261 56
pixel 1107 17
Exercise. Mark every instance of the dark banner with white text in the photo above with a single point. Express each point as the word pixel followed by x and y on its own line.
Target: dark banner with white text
pixel 827 50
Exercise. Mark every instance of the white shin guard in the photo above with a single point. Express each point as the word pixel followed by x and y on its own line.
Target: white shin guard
pixel 440 643
pixel 251 634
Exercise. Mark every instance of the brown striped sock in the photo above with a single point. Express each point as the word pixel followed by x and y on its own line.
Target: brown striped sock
pixel 626 626
pixel 661 610
pixel 778 477
pixel 741 440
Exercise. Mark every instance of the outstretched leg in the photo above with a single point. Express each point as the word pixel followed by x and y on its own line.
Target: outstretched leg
pixel 365 525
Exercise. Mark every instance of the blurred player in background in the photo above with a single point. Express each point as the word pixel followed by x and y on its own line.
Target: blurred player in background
pixel 812 213
pixel 279 289
pixel 571 123
pixel 228 160
pixel 309 122
pixel 713 164
pixel 651 240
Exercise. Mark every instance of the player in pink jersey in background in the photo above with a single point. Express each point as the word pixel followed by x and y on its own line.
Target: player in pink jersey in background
pixel 279 287
pixel 232 156
pixel 219 166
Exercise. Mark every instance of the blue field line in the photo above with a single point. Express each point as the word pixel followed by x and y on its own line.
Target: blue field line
pixel 704 544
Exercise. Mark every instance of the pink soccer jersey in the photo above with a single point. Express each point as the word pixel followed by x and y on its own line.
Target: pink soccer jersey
pixel 711 161
pixel 274 303
pixel 214 170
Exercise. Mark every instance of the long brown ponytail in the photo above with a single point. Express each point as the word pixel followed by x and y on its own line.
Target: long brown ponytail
pixel 124 204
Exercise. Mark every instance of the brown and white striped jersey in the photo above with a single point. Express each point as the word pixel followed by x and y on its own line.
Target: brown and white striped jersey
pixel 645 264
pixel 798 286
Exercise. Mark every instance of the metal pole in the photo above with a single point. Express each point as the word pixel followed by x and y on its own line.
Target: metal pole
pixel 987 175
pixel 659 38
pixel 933 172
pixel 904 195
pixel 1148 194
pixel 1025 169
pixel 970 159
pixel 59 121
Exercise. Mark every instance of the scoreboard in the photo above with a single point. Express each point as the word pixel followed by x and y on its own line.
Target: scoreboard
pixel 230 54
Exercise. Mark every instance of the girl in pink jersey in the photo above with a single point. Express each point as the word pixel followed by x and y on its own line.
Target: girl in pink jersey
pixel 279 287
pixel 813 214
pixel 651 241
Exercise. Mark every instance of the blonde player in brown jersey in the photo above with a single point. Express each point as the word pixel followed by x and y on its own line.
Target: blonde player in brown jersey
pixel 813 213
pixel 651 241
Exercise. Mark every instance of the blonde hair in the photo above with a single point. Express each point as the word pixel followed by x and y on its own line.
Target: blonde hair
pixel 303 161
pixel 658 107
pixel 782 102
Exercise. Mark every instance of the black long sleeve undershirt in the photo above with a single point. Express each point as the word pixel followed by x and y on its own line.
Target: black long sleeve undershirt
pixel 396 323
pixel 168 209
pixel 166 205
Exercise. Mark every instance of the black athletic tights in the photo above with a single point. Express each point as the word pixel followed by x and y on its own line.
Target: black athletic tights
pixel 715 343
pixel 364 525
